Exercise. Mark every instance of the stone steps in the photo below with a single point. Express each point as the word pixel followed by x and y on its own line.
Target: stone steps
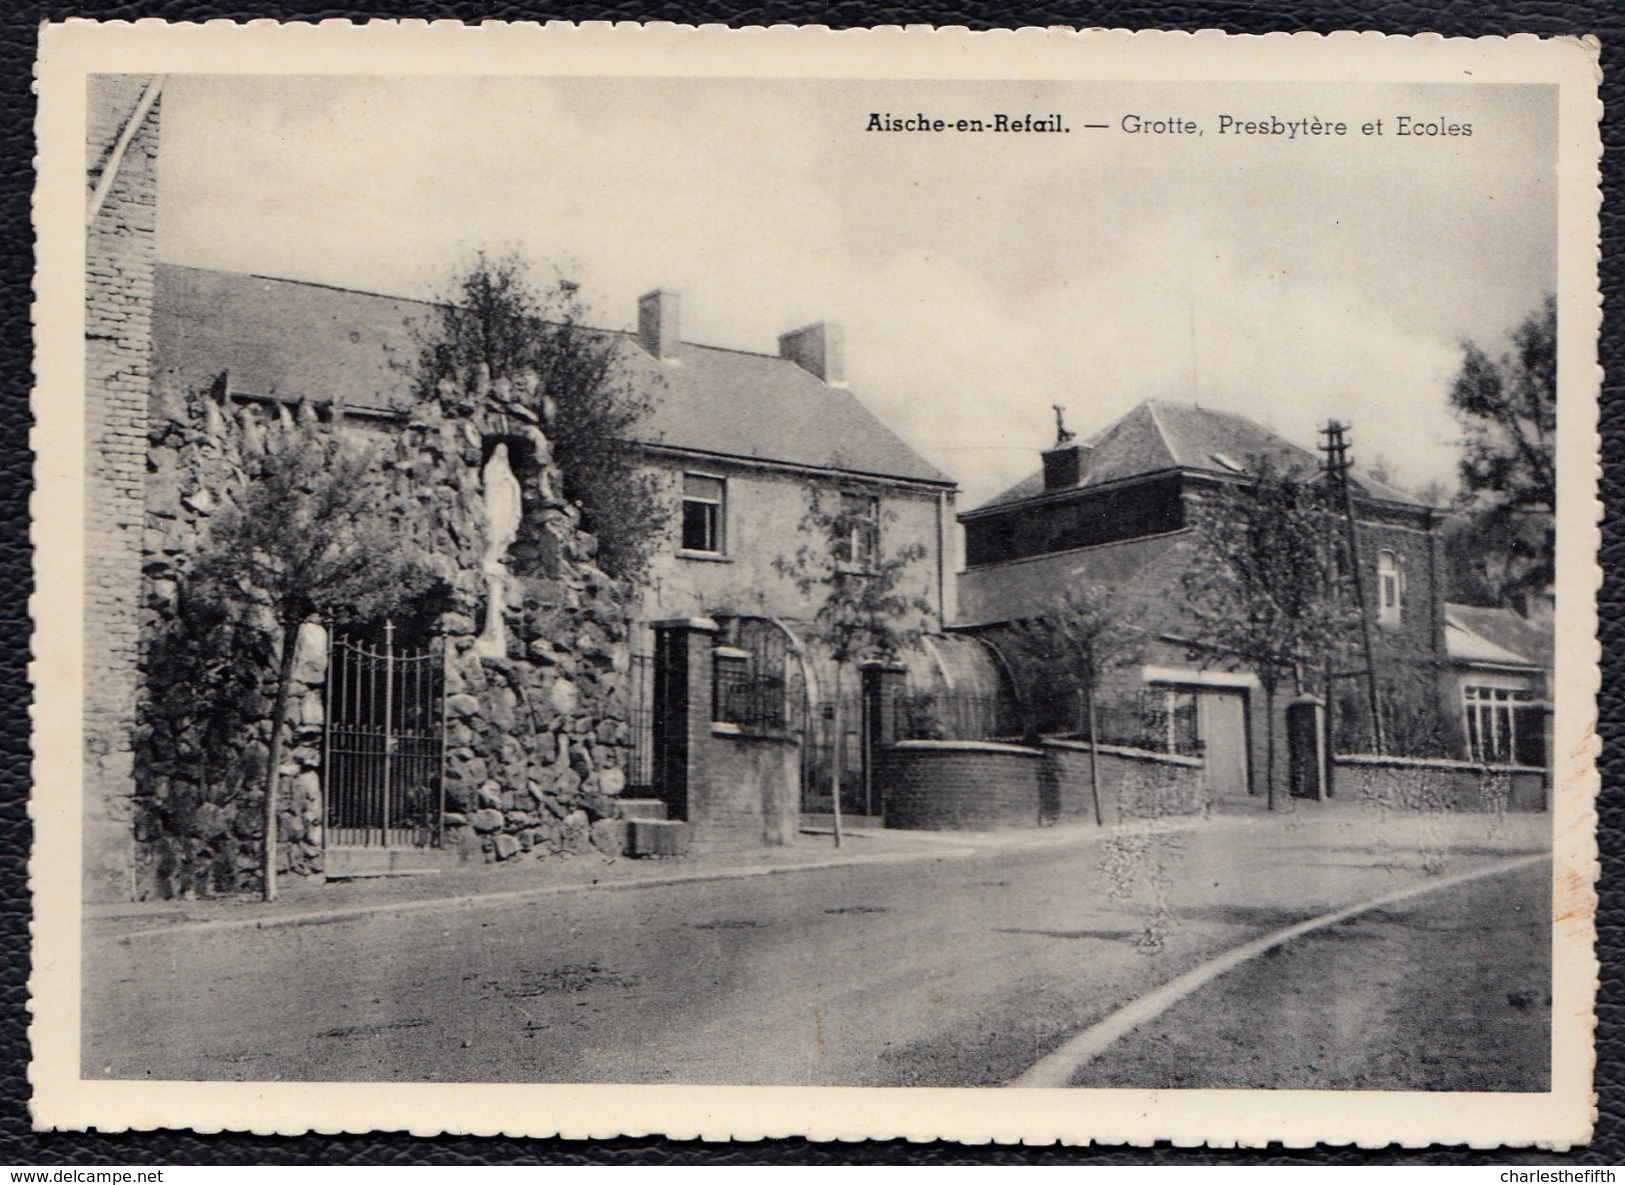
pixel 652 809
pixel 345 863
pixel 656 837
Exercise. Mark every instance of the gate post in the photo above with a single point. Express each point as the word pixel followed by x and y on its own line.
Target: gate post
pixel 883 684
pixel 1306 748
pixel 682 708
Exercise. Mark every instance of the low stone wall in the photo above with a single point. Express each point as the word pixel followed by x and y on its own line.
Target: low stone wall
pixel 752 792
pixel 1410 783
pixel 1134 783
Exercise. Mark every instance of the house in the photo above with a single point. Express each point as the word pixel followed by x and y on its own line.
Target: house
pixel 1115 511
pixel 1502 664
pixel 738 439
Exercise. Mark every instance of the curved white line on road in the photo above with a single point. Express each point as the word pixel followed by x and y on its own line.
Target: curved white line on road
pixel 1058 1068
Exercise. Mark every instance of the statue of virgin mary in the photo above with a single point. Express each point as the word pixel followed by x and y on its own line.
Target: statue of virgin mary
pixel 502 511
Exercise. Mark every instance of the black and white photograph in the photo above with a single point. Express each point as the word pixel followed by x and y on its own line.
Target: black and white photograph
pixel 1050 582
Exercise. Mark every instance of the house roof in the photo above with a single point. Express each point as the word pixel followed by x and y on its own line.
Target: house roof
pixel 1476 633
pixel 292 340
pixel 763 407
pixel 283 339
pixel 1160 434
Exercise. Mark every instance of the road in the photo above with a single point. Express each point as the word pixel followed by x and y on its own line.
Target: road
pixel 1419 997
pixel 958 969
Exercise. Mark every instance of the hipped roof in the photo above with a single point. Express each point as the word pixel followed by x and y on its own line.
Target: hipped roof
pixel 1159 435
pixel 1496 636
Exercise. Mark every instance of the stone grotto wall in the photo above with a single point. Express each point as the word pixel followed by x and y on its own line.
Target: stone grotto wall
pixel 537 729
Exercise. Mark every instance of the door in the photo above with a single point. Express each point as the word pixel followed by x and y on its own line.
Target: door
pixel 1221 722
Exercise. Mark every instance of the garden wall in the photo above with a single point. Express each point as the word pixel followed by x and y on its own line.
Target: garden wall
pixel 1409 783
pixel 1134 783
pixel 978 785
pixel 960 785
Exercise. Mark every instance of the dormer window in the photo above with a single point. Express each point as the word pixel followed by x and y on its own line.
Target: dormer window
pixel 1226 463
pixel 1390 588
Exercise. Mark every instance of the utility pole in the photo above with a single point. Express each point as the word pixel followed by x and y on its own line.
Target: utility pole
pixel 1342 494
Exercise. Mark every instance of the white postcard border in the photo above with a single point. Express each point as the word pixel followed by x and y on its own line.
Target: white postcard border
pixel 1217 1118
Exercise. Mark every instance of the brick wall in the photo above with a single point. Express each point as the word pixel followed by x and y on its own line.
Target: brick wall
pixel 961 786
pixel 1134 784
pixel 1412 662
pixel 750 793
pixel 977 785
pixel 118 318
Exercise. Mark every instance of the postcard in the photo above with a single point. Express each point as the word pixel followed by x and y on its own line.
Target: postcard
pixel 1014 586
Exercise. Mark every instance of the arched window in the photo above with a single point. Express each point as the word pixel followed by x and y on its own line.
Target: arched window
pixel 1389 587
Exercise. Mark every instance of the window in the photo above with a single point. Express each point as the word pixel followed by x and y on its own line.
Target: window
pixel 1390 586
pixel 1492 722
pixel 703 502
pixel 861 513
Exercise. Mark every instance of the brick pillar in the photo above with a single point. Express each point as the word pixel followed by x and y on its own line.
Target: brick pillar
pixel 682 708
pixel 1305 748
pixel 118 323
pixel 883 684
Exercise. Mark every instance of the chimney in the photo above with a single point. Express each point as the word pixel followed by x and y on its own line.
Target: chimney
pixel 819 349
pixel 657 323
pixel 1063 465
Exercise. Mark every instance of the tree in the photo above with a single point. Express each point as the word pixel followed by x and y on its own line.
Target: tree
pixel 1077 641
pixel 1261 586
pixel 498 321
pixel 862 613
pixel 311 536
pixel 1507 407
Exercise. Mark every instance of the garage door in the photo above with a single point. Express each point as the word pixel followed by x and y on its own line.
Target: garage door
pixel 1221 724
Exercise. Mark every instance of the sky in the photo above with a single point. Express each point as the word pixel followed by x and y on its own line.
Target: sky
pixel 980 278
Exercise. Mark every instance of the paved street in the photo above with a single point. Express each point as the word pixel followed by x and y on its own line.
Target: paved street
pixel 958 966
pixel 1405 997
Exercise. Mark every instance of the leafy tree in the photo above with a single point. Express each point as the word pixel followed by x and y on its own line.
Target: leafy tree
pixel 1261 584
pixel 863 614
pixel 1507 407
pixel 1082 636
pixel 500 323
pixel 311 536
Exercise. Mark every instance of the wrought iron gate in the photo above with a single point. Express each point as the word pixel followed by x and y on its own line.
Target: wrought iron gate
pixel 385 744
pixel 780 687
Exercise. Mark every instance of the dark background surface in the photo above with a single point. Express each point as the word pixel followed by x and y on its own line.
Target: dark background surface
pixel 21 1146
